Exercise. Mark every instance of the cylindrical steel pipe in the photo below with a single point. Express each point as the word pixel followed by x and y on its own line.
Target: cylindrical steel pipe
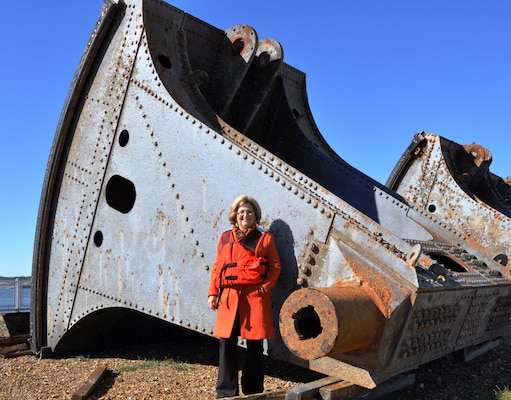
pixel 329 321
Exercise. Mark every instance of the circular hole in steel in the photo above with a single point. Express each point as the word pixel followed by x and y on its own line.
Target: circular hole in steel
pixel 431 208
pixel 502 259
pixel 307 323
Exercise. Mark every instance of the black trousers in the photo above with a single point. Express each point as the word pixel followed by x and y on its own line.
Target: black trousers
pixel 252 378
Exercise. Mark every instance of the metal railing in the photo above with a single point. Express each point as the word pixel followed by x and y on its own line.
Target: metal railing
pixel 14 295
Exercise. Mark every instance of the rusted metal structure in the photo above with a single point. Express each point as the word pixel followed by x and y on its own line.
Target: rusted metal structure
pixel 167 120
pixel 453 183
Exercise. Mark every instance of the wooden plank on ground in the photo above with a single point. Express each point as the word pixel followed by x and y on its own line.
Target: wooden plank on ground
pixel 310 391
pixel 340 391
pixel 14 340
pixel 14 348
pixel 353 392
pixel 19 354
pixel 88 386
pixel 278 395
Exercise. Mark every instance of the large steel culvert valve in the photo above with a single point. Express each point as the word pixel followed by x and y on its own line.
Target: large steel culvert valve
pixel 329 321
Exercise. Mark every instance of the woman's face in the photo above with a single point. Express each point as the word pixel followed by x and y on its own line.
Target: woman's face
pixel 245 216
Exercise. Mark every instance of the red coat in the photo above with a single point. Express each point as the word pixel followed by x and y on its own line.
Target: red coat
pixel 253 307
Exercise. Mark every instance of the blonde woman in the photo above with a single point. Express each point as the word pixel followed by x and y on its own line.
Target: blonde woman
pixel 246 268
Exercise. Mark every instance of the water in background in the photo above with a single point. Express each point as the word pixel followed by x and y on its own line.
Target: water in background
pixel 8 296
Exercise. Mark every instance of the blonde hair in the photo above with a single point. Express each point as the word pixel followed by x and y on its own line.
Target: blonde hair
pixel 238 202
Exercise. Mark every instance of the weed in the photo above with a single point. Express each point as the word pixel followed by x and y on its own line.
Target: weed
pixel 503 394
pixel 152 363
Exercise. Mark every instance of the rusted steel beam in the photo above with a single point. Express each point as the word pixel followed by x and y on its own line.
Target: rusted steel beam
pixel 453 183
pixel 330 321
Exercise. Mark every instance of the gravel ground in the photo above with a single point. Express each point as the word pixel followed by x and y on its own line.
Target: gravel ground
pixel 188 371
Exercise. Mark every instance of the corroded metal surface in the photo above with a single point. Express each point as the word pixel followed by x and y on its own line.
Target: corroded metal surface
pixel 453 183
pixel 330 321
pixel 167 121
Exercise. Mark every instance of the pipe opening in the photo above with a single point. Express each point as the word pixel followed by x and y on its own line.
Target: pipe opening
pixel 307 323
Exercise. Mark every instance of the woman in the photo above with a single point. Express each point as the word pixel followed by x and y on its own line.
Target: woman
pixel 246 268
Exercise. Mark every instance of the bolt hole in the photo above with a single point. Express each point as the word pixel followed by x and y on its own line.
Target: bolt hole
pixel 431 208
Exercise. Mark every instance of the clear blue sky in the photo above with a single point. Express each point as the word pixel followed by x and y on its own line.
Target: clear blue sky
pixel 377 73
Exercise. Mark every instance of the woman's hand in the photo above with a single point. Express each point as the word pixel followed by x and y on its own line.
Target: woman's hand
pixel 212 302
